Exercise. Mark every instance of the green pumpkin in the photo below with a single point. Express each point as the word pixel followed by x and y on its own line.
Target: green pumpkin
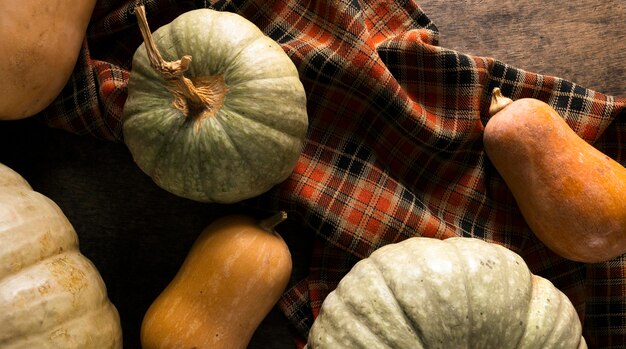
pixel 453 293
pixel 215 111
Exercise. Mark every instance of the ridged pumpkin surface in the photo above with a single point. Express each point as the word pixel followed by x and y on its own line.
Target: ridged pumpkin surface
pixel 454 293
pixel 51 296
pixel 250 133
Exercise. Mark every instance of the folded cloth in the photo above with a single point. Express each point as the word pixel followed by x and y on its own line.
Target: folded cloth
pixel 394 148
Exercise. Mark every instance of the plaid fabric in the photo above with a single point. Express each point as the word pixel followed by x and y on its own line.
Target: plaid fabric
pixel 394 148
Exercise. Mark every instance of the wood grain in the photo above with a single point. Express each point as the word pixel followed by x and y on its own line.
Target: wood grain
pixel 583 41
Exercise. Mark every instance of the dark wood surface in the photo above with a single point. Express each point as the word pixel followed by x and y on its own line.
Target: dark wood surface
pixel 579 40
pixel 137 234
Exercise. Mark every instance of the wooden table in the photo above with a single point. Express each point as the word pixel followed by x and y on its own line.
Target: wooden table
pixel 583 41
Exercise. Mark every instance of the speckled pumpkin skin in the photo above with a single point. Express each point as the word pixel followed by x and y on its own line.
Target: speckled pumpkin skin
pixel 51 296
pixel 455 293
pixel 247 145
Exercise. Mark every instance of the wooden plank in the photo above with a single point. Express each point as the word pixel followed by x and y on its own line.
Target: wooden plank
pixel 583 41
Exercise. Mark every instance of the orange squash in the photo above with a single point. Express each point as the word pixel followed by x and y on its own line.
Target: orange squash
pixel 572 195
pixel 232 277
pixel 41 40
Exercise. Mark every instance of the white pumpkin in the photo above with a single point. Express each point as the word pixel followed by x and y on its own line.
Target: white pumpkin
pixel 453 293
pixel 51 296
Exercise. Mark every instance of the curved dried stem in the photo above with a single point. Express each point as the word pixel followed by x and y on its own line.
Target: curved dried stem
pixel 190 99
pixel 498 101
pixel 270 223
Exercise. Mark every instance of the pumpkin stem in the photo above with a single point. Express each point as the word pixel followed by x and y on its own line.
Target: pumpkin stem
pixel 169 70
pixel 270 223
pixel 190 99
pixel 498 101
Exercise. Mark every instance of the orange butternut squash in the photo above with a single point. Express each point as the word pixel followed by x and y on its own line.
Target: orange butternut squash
pixel 232 277
pixel 572 195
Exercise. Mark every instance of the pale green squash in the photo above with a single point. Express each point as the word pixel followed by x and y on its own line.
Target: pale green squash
pixel 454 293
pixel 223 118
pixel 51 295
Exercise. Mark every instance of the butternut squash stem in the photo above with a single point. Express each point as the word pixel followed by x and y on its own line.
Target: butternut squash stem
pixel 498 101
pixel 270 223
pixel 170 71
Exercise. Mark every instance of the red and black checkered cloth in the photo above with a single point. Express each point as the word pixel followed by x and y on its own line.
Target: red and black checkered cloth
pixel 394 147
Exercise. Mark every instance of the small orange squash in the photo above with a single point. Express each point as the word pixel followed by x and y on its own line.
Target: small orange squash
pixel 232 277
pixel 572 195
